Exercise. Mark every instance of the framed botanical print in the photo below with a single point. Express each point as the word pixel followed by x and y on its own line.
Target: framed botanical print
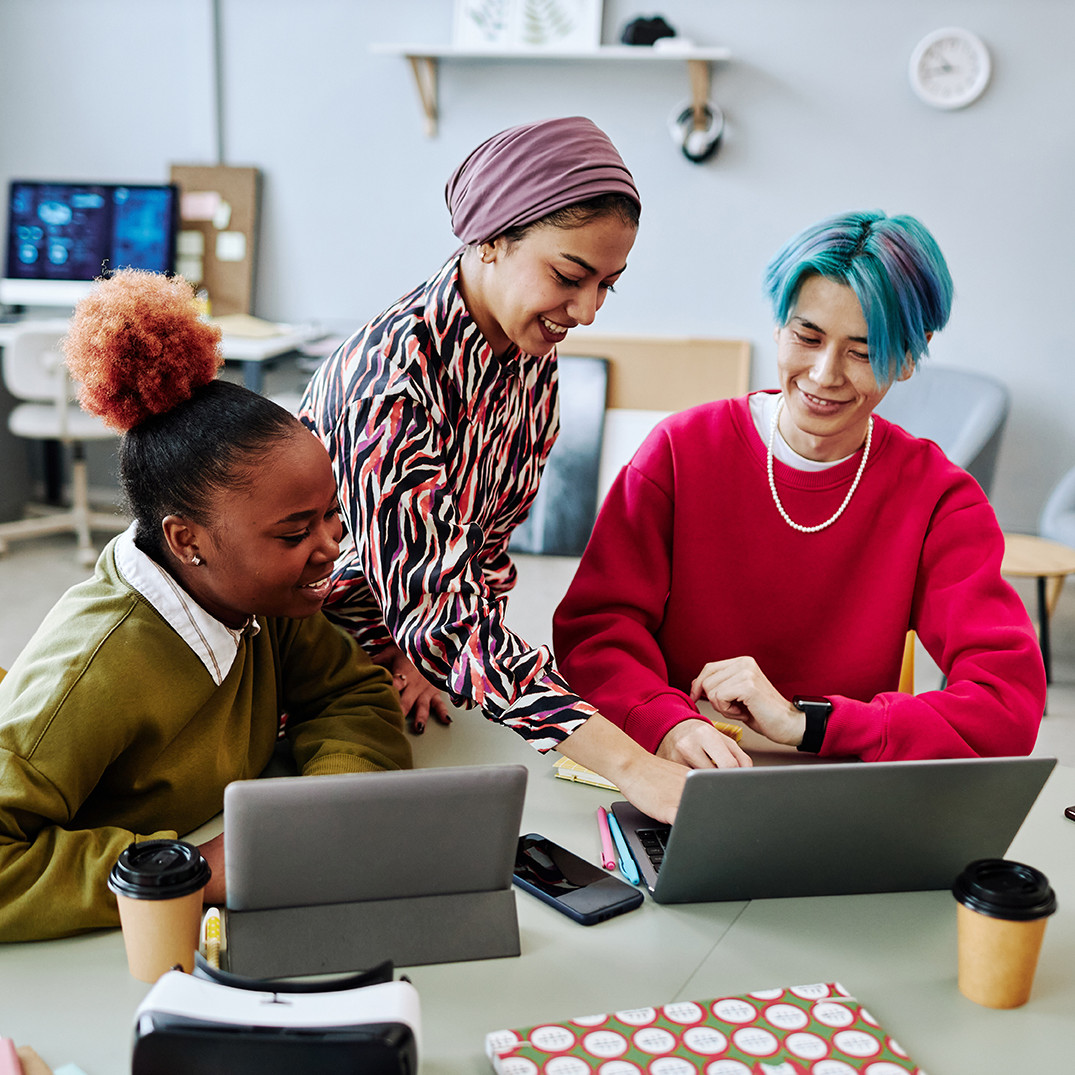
pixel 504 25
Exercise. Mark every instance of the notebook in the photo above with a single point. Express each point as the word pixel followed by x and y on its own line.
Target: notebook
pixel 808 1028
pixel 337 873
pixel 828 829
pixel 567 769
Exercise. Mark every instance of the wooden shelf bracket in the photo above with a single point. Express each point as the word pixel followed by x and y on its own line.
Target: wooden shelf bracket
pixel 424 62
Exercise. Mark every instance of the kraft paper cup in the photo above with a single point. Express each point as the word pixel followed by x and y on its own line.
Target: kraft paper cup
pixel 158 886
pixel 1001 911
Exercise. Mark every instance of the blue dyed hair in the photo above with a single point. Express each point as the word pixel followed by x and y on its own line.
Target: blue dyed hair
pixel 892 264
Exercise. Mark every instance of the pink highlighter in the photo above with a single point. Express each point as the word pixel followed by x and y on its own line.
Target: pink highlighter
pixel 608 852
pixel 9 1059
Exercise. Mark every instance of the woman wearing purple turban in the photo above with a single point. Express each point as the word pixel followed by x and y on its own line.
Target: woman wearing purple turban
pixel 439 416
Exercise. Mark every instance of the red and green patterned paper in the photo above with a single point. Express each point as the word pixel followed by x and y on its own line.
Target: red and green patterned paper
pixel 806 1030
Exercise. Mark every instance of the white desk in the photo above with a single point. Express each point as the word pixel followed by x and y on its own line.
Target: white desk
pixel 73 1000
pixel 251 352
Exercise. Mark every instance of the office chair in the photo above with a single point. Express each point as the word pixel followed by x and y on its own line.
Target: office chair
pixel 1048 557
pixel 35 374
pixel 1057 521
pixel 961 411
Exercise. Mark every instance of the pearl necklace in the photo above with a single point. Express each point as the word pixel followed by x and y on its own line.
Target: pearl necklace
pixel 772 481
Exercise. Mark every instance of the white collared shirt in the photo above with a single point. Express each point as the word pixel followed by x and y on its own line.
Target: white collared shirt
pixel 214 643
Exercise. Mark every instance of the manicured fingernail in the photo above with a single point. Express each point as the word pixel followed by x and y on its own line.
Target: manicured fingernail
pixel 419 729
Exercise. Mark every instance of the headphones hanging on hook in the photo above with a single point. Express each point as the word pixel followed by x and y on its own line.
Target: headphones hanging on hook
pixel 698 146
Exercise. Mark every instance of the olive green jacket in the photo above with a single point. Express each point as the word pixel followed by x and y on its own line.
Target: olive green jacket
pixel 112 728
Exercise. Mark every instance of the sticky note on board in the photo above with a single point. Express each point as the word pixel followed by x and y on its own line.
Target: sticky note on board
pixel 190 243
pixel 191 269
pixel 230 246
pixel 222 216
pixel 199 204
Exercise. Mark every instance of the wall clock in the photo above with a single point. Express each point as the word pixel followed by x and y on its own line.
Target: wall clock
pixel 950 68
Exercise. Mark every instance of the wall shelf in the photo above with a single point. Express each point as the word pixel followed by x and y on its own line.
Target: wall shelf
pixel 424 60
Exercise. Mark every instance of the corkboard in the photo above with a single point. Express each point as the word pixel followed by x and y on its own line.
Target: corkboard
pixel 664 373
pixel 218 232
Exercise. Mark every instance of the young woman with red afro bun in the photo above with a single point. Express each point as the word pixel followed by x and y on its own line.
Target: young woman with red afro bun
pixel 162 678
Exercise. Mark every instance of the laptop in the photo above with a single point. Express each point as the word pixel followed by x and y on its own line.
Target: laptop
pixel 338 873
pixel 831 829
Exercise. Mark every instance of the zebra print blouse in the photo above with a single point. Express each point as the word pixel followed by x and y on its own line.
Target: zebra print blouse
pixel 438 447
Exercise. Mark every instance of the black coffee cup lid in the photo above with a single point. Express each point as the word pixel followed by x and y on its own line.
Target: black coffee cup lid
pixel 1000 888
pixel 159 870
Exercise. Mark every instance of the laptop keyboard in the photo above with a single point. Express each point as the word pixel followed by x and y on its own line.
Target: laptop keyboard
pixel 654 842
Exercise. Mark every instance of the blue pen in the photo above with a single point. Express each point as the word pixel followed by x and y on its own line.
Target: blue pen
pixel 627 863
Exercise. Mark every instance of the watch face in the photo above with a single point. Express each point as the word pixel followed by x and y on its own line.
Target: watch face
pixel 950 68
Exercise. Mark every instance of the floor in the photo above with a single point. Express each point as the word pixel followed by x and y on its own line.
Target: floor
pixel 34 573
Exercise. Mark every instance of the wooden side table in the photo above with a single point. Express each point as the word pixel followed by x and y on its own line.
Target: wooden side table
pixel 1047 562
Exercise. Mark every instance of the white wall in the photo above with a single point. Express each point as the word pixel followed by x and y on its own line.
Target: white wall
pixel 820 119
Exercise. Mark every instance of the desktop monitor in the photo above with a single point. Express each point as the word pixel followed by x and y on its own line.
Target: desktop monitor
pixel 61 236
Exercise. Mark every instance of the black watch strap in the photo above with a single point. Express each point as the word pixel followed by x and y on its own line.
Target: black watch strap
pixel 817 712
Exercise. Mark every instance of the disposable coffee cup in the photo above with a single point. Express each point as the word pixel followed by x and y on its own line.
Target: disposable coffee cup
pixel 1001 911
pixel 158 886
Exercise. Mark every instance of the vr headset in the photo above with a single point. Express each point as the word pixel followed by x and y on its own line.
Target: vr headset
pixel 211 1021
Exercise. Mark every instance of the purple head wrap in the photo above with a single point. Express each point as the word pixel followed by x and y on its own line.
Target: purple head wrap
pixel 524 173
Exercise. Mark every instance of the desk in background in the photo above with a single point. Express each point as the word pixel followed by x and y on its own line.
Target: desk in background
pixel 251 352
pixel 255 351
pixel 1048 563
pixel 74 1001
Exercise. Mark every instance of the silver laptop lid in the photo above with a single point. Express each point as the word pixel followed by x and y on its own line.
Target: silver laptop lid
pixel 300 841
pixel 818 830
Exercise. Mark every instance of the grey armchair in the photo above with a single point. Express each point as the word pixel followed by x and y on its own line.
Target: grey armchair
pixel 962 411
pixel 1057 522
pixel 1048 557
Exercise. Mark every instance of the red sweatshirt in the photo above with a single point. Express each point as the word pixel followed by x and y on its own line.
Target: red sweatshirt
pixel 691 562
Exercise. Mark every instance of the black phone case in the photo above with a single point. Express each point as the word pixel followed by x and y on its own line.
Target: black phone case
pixel 604 898
pixel 594 903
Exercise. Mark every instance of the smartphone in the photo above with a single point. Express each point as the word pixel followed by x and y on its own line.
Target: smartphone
pixel 577 888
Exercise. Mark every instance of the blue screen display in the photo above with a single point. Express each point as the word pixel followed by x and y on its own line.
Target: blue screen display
pixel 80 231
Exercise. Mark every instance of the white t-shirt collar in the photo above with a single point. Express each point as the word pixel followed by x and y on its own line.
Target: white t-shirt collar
pixel 762 409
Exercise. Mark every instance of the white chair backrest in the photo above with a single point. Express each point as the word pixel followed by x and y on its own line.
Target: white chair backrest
pixel 34 369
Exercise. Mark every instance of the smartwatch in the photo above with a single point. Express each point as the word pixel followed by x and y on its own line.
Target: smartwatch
pixel 817 712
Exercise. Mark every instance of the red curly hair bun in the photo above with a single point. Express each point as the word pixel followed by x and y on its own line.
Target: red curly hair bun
pixel 139 347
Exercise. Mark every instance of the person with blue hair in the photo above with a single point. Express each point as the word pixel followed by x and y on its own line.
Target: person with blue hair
pixel 769 554
pixel 892 264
